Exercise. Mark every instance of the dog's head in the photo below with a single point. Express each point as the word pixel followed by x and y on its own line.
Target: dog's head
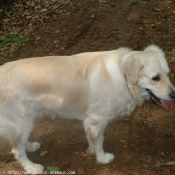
pixel 147 71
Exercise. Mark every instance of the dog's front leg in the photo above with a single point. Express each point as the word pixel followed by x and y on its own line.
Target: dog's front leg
pixel 94 128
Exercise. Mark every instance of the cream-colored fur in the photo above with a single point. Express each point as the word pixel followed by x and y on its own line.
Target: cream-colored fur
pixel 93 87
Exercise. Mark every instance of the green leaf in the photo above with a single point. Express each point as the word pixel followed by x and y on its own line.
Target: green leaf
pixel 55 41
pixel 17 40
pixel 43 153
pixel 53 169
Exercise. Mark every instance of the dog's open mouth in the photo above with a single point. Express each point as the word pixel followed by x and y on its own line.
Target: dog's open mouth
pixel 167 104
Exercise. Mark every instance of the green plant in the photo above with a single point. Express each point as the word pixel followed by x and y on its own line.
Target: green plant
pixel 10 39
pixel 15 39
pixel 49 11
pixel 53 169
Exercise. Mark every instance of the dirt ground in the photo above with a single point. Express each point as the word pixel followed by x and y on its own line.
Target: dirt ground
pixel 142 143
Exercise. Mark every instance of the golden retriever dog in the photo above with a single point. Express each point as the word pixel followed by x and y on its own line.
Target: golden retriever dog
pixel 94 87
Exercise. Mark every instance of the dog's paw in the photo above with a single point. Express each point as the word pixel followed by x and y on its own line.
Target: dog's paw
pixel 35 169
pixel 105 158
pixel 32 147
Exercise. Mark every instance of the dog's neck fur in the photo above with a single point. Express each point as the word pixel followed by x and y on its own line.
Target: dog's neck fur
pixel 138 94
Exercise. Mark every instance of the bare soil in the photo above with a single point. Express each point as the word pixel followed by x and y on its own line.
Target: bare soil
pixel 143 142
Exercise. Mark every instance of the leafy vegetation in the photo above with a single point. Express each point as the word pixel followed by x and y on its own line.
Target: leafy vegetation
pixel 53 169
pixel 10 39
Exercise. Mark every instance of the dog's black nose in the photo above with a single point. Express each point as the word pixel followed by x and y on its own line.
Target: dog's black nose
pixel 172 94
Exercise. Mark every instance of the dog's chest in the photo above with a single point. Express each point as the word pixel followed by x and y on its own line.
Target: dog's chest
pixel 124 107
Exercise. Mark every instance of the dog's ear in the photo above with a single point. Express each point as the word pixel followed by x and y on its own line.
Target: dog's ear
pixel 131 67
pixel 158 52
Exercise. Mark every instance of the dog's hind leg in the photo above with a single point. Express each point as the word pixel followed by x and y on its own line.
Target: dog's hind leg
pixel 20 145
pixel 94 128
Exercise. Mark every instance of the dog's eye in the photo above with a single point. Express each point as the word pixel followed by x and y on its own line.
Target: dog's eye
pixel 156 78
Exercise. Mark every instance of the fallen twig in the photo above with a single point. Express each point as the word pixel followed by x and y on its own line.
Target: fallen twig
pixel 166 164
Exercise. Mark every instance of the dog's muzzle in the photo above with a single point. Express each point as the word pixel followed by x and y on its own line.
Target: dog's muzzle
pixel 172 94
pixel 167 104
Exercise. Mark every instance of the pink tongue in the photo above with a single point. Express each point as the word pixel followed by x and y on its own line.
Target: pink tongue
pixel 167 104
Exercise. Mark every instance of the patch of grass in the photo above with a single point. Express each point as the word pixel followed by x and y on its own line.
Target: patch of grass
pixel 10 39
